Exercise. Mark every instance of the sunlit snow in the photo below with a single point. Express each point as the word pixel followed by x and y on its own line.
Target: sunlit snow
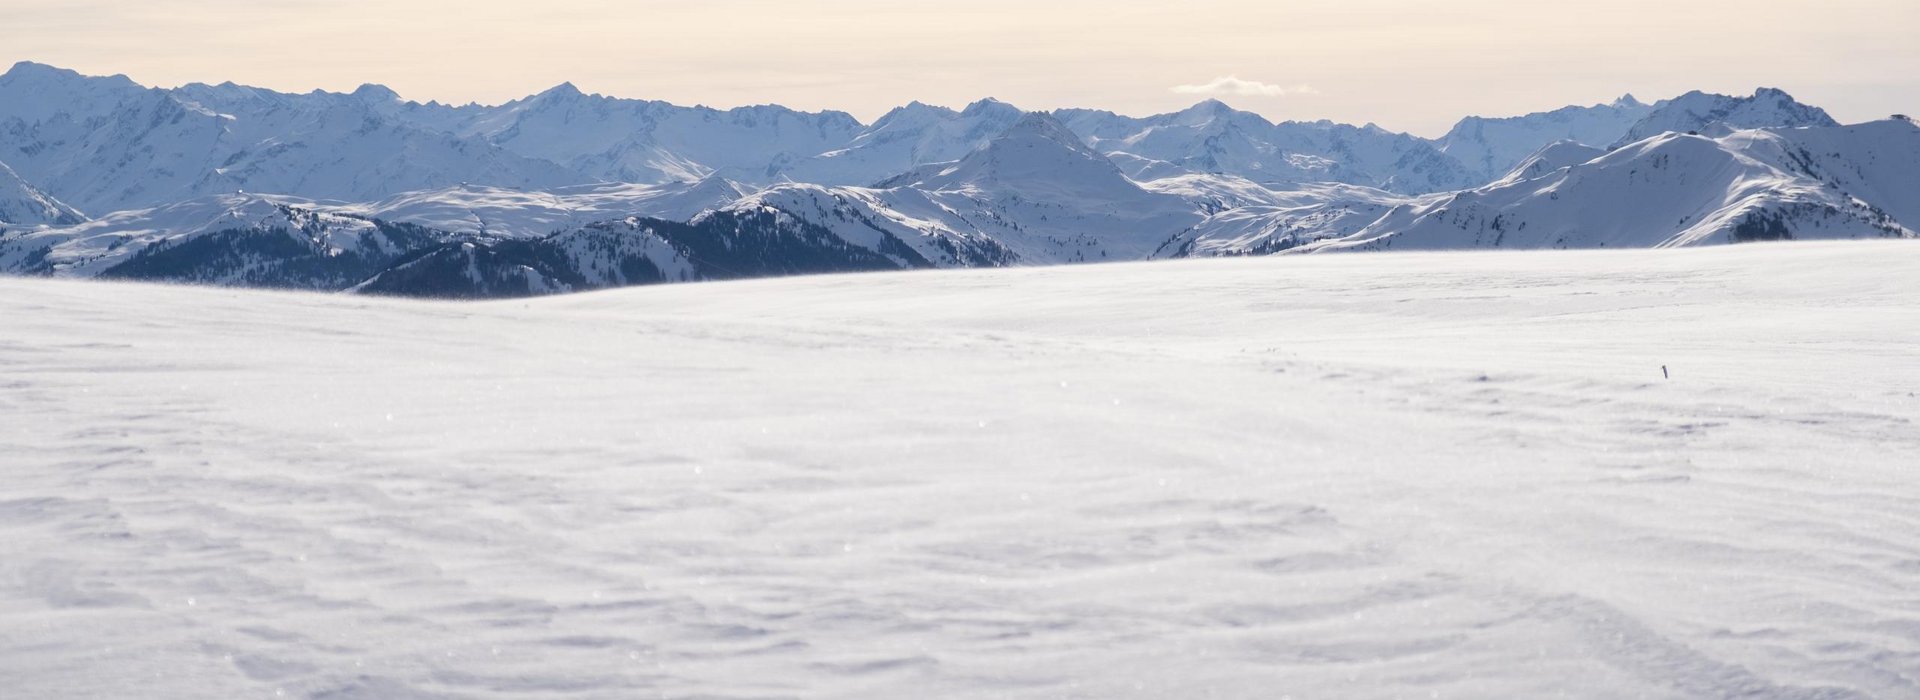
pixel 1452 475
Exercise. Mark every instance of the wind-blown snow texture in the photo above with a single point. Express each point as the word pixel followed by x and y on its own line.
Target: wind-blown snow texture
pixel 1420 475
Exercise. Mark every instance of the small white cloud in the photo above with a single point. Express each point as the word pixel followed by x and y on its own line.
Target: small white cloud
pixel 1233 85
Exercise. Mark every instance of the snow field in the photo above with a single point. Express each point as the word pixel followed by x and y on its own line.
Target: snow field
pixel 1455 475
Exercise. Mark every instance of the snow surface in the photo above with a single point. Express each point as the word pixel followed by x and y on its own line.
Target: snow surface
pixel 1452 475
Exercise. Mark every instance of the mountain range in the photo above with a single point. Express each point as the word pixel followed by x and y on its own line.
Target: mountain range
pixel 564 191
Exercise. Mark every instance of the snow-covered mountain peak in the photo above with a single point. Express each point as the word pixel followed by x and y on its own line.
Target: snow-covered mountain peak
pixel 1492 147
pixel 228 96
pixel 903 140
pixel 988 106
pixel 1050 189
pixel 564 89
pixel 34 92
pixel 1681 189
pixel 1719 115
pixel 1042 125
pixel 1216 115
pixel 1248 119
pixel 370 92
pixel 42 73
pixel 1209 107
pixel 1036 158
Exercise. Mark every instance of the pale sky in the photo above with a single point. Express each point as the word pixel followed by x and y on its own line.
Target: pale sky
pixel 1410 65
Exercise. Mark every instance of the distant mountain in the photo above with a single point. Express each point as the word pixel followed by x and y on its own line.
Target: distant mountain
pixel 1032 194
pixel 906 138
pixel 1211 137
pixel 24 206
pixel 1719 115
pixel 1211 193
pixel 566 191
pixel 1035 192
pixel 1552 157
pixel 233 239
pixel 1489 147
pixel 734 244
pixel 1286 220
pixel 648 141
pixel 106 144
pixel 498 212
pixel 1677 189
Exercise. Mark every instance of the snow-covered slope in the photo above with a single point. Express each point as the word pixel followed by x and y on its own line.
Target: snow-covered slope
pixel 106 144
pixel 648 141
pixel 732 244
pixel 1289 219
pixel 1214 192
pixel 1361 477
pixel 1490 147
pixel 569 174
pixel 511 213
pixel 1033 194
pixel 36 93
pixel 24 206
pixel 1035 191
pixel 595 256
pixel 1718 115
pixel 904 139
pixel 236 240
pixel 1211 137
pixel 1675 190
pixel 1553 156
